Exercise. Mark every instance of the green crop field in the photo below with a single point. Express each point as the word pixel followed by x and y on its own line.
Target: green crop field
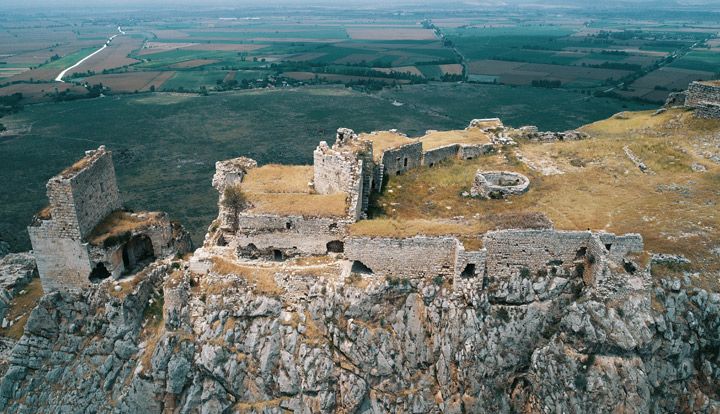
pixel 165 145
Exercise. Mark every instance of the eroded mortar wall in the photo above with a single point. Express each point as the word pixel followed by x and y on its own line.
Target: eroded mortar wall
pixel 62 262
pixel 401 159
pixel 700 93
pixel 412 257
pixel 81 200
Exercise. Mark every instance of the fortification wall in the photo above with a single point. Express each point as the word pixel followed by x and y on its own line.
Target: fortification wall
pixel 293 235
pixel 700 92
pixel 708 111
pixel 412 257
pixel 80 200
pixel 468 152
pixel 333 171
pixel 620 246
pixel 62 262
pixel 510 251
pixel 400 159
pixel 440 154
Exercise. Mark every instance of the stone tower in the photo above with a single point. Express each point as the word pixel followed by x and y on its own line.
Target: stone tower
pixel 80 197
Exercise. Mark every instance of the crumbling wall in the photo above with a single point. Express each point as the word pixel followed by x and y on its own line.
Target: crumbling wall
pixel 708 110
pixel 334 171
pixel 411 257
pixel 699 93
pixel 292 235
pixel 80 199
pixel 468 152
pixel 440 154
pixel 62 262
pixel 511 251
pixel 620 246
pixel 403 158
pixel 231 172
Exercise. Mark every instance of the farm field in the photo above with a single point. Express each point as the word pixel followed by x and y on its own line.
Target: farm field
pixel 165 145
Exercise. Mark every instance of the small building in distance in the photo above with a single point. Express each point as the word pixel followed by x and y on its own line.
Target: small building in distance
pixel 83 236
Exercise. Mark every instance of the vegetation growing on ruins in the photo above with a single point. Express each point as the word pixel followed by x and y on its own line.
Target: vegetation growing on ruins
pixel 674 207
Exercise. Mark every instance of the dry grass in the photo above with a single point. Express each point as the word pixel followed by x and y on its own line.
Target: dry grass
pixel 21 305
pixel 308 205
pixel 443 138
pixel 284 190
pixel 78 166
pixel 275 178
pixel 675 210
pixel 385 140
pixel 45 213
pixel 262 278
pixel 119 223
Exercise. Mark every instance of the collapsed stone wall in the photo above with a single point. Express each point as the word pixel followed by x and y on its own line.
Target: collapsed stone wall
pixel 261 235
pixel 708 110
pixel 419 256
pixel 512 252
pixel 699 93
pixel 403 158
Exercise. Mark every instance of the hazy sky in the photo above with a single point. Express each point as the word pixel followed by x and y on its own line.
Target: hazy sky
pixel 64 4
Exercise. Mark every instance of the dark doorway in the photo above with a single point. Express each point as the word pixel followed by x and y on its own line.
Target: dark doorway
pixel 278 256
pixel 335 246
pixel 99 273
pixel 137 251
pixel 359 267
pixel 469 271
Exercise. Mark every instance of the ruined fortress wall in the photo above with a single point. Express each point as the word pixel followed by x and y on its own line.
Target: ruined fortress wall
pixel 440 154
pixel 412 257
pixel 701 92
pixel 290 234
pixel 621 246
pixel 333 171
pixel 80 201
pixel 289 243
pixel 400 159
pixel 467 152
pixel 509 251
pixel 268 223
pixel 708 111
pixel 62 262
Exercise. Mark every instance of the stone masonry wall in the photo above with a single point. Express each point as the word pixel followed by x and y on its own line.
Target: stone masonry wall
pixel 412 257
pixel 440 154
pixel 400 159
pixel 62 262
pixel 467 152
pixel 96 193
pixel 509 251
pixel 700 92
pixel 292 235
pixel 708 111
pixel 79 201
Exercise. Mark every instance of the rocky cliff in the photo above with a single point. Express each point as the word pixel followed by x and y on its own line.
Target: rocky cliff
pixel 304 340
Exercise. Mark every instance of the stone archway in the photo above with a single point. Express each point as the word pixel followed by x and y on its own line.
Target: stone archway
pixel 137 250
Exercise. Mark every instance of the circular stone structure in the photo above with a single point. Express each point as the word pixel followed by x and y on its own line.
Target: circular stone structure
pixel 498 184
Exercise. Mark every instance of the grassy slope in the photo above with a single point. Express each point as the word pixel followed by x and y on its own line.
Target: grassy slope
pixel 675 209
pixel 165 146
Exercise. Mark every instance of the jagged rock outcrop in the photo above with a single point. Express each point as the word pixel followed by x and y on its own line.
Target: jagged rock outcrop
pixel 319 343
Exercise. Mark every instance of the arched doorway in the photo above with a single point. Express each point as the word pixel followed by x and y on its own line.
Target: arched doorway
pixel 138 250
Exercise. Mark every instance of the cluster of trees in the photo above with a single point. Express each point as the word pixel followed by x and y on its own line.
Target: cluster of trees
pixel 9 104
pixel 546 83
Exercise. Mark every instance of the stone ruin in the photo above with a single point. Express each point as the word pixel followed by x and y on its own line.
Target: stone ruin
pixel 704 98
pixel 498 184
pixel 348 167
pixel 84 236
